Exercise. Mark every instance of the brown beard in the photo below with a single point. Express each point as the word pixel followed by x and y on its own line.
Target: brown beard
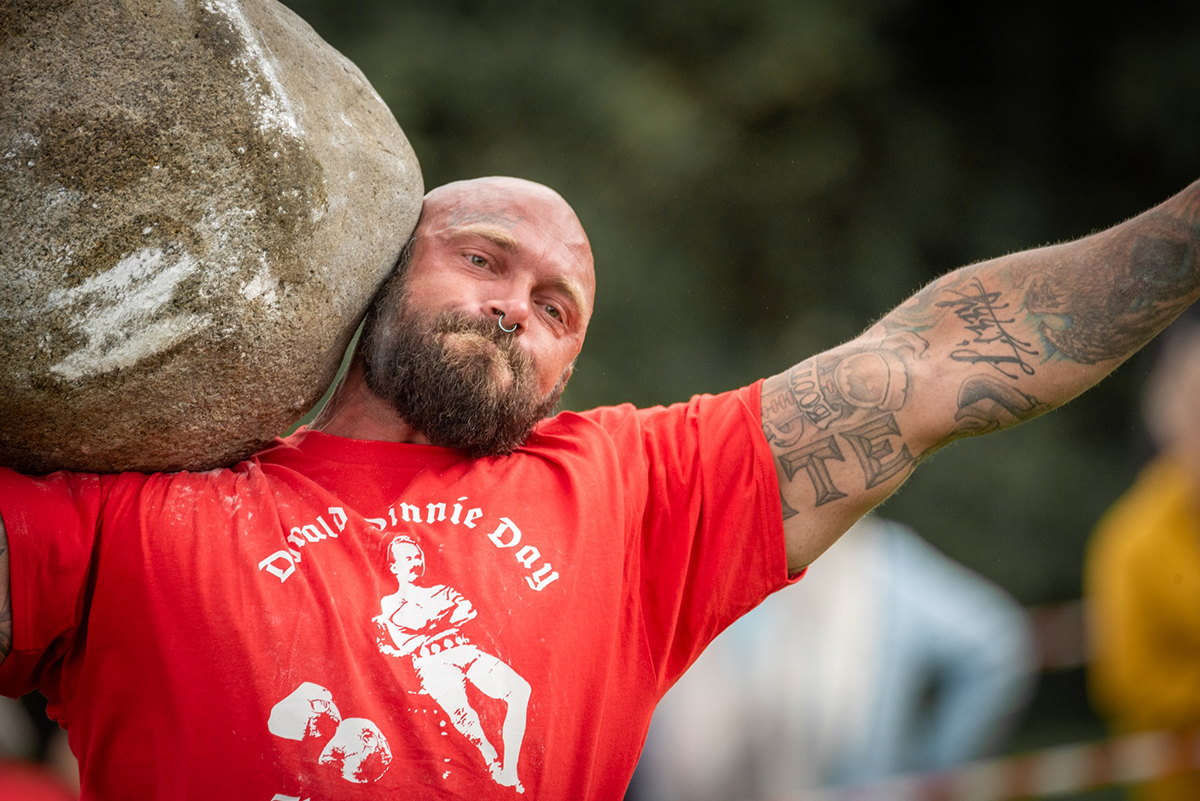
pixel 457 379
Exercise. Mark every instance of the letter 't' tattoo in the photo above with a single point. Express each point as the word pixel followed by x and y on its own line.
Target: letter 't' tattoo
pixel 812 459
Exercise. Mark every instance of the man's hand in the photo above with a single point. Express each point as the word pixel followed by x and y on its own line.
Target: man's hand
pixel 982 348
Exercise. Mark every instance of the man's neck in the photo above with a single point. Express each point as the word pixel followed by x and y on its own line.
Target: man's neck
pixel 355 412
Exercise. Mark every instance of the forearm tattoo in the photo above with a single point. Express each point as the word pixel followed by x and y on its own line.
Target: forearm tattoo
pixel 1089 320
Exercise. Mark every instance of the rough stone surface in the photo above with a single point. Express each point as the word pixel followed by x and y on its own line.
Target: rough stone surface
pixel 197 200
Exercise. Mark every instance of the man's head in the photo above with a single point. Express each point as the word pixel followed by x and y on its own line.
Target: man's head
pixel 485 250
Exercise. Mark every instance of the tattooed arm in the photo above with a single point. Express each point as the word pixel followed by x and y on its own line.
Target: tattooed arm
pixel 984 347
pixel 6 624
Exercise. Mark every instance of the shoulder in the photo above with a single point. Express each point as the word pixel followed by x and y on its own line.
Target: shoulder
pixel 588 422
pixel 740 406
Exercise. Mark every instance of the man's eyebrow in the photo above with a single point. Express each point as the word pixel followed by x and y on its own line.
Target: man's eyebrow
pixel 492 233
pixel 570 289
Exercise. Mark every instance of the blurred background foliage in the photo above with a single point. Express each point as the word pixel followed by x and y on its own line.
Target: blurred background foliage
pixel 762 179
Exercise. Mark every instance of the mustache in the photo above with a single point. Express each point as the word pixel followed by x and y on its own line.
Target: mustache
pixel 455 322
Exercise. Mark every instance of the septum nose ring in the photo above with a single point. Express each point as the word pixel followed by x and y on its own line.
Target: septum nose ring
pixel 500 322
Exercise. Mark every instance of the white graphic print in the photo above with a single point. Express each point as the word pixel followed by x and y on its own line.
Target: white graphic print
pixel 506 536
pixel 422 623
pixel 356 747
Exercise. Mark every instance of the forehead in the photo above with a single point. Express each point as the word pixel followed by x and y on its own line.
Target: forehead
pixel 520 217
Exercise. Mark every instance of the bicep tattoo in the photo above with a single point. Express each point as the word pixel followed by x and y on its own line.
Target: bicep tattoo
pixel 839 408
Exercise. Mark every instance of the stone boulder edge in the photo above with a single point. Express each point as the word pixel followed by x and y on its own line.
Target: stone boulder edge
pixel 197 201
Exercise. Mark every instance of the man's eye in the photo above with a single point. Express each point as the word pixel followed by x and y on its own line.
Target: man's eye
pixel 477 260
pixel 553 312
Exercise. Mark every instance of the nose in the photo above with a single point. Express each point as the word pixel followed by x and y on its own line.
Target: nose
pixel 512 314
pixel 504 328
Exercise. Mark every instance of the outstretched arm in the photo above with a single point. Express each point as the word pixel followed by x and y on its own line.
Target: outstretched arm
pixel 979 349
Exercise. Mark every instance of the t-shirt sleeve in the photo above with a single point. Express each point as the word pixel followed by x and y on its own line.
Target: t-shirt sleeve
pixel 711 544
pixel 51 527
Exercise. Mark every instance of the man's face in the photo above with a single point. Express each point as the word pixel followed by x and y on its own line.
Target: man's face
pixel 435 349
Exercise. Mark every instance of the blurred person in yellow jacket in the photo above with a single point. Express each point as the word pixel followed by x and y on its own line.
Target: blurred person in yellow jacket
pixel 1143 573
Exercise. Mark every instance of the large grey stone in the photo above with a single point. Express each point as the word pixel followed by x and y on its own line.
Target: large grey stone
pixel 197 200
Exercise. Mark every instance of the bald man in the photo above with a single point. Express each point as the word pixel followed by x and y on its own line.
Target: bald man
pixel 218 635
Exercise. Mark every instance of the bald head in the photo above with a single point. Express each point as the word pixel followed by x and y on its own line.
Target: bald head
pixel 503 209
pixel 504 199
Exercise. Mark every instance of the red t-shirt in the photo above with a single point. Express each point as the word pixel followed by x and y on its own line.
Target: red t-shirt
pixel 342 619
